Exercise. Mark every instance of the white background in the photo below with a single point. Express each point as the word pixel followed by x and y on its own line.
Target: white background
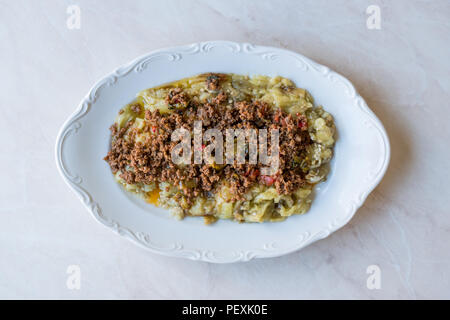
pixel 402 70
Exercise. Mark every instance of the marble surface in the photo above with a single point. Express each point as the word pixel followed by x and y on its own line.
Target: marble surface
pixel 401 69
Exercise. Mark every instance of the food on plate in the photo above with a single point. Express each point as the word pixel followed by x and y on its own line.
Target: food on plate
pixel 274 115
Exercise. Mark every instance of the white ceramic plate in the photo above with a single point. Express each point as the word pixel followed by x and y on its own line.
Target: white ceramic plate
pixel 361 155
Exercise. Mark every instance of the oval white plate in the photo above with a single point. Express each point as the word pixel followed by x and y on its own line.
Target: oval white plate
pixel 361 155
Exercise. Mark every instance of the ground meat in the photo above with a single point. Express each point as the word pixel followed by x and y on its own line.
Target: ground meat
pixel 118 155
pixel 213 81
pixel 177 98
pixel 220 98
pixel 150 160
pixel 136 108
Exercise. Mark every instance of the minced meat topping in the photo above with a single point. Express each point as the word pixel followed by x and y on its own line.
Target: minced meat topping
pixel 149 161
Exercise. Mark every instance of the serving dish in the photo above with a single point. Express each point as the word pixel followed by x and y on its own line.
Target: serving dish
pixel 361 155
